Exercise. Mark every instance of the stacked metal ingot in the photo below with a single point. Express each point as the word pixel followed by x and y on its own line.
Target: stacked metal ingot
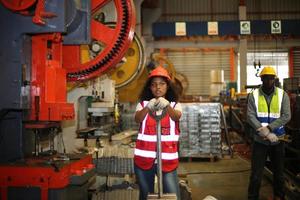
pixel 210 129
pixel 114 160
pixel 200 130
pixel 189 126
pixel 114 166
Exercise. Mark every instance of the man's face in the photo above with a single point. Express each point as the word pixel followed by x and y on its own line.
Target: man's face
pixel 268 81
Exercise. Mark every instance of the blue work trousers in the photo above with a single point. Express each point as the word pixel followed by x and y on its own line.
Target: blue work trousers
pixel 259 156
pixel 145 180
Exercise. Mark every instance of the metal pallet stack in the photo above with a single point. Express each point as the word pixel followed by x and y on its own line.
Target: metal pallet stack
pixel 200 130
pixel 114 166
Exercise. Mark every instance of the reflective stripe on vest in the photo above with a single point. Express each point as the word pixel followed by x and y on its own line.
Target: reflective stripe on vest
pixel 145 150
pixel 152 154
pixel 265 115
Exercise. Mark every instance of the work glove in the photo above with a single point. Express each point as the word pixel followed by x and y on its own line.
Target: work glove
pixel 162 103
pixel 272 137
pixel 263 131
pixel 152 104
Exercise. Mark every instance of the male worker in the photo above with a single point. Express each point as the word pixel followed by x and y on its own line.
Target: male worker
pixel 268 111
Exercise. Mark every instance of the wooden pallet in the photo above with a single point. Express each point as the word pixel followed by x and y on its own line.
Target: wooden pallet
pixel 164 197
pixel 205 158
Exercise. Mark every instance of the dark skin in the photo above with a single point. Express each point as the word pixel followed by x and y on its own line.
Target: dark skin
pixel 158 88
pixel 268 84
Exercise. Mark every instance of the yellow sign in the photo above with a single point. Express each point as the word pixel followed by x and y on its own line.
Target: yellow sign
pixel 180 29
pixel 212 28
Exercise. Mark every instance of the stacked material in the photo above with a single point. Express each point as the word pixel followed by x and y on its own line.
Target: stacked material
pixel 190 128
pixel 200 130
pixel 114 166
pixel 121 151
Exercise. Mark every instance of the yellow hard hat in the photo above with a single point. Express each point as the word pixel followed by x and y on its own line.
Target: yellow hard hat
pixel 268 70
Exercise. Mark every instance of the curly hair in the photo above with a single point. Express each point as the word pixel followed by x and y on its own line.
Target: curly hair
pixel 146 93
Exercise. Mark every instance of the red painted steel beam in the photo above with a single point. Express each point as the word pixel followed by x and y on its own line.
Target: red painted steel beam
pixel 48 80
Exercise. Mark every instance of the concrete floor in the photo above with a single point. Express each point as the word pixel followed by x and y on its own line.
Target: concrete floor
pixel 224 179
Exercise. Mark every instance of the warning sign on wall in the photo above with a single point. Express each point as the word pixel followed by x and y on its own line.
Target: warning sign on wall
pixel 275 26
pixel 212 28
pixel 245 27
pixel 180 28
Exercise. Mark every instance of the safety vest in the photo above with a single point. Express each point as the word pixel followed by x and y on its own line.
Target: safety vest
pixel 268 113
pixel 145 150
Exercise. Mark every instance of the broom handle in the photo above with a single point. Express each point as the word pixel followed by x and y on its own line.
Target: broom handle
pixel 159 162
pixel 158 148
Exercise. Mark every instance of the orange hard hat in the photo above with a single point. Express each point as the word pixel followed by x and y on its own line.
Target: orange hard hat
pixel 160 71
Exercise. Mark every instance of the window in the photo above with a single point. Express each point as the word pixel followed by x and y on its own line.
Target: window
pixel 278 60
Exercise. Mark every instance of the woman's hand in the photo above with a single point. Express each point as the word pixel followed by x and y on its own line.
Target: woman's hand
pixel 162 103
pixel 152 104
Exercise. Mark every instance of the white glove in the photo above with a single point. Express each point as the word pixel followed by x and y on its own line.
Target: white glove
pixel 209 197
pixel 272 137
pixel 263 131
pixel 152 104
pixel 162 103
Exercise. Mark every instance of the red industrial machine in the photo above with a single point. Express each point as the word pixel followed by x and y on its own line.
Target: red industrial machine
pixel 40 50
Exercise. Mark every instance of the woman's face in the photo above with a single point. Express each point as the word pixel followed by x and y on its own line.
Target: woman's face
pixel 158 87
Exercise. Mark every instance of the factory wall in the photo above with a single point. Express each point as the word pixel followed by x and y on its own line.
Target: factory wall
pixel 219 10
pixel 197 64
pixel 186 52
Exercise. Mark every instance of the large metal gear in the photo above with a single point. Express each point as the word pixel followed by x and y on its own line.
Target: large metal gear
pixel 114 42
pixel 133 67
